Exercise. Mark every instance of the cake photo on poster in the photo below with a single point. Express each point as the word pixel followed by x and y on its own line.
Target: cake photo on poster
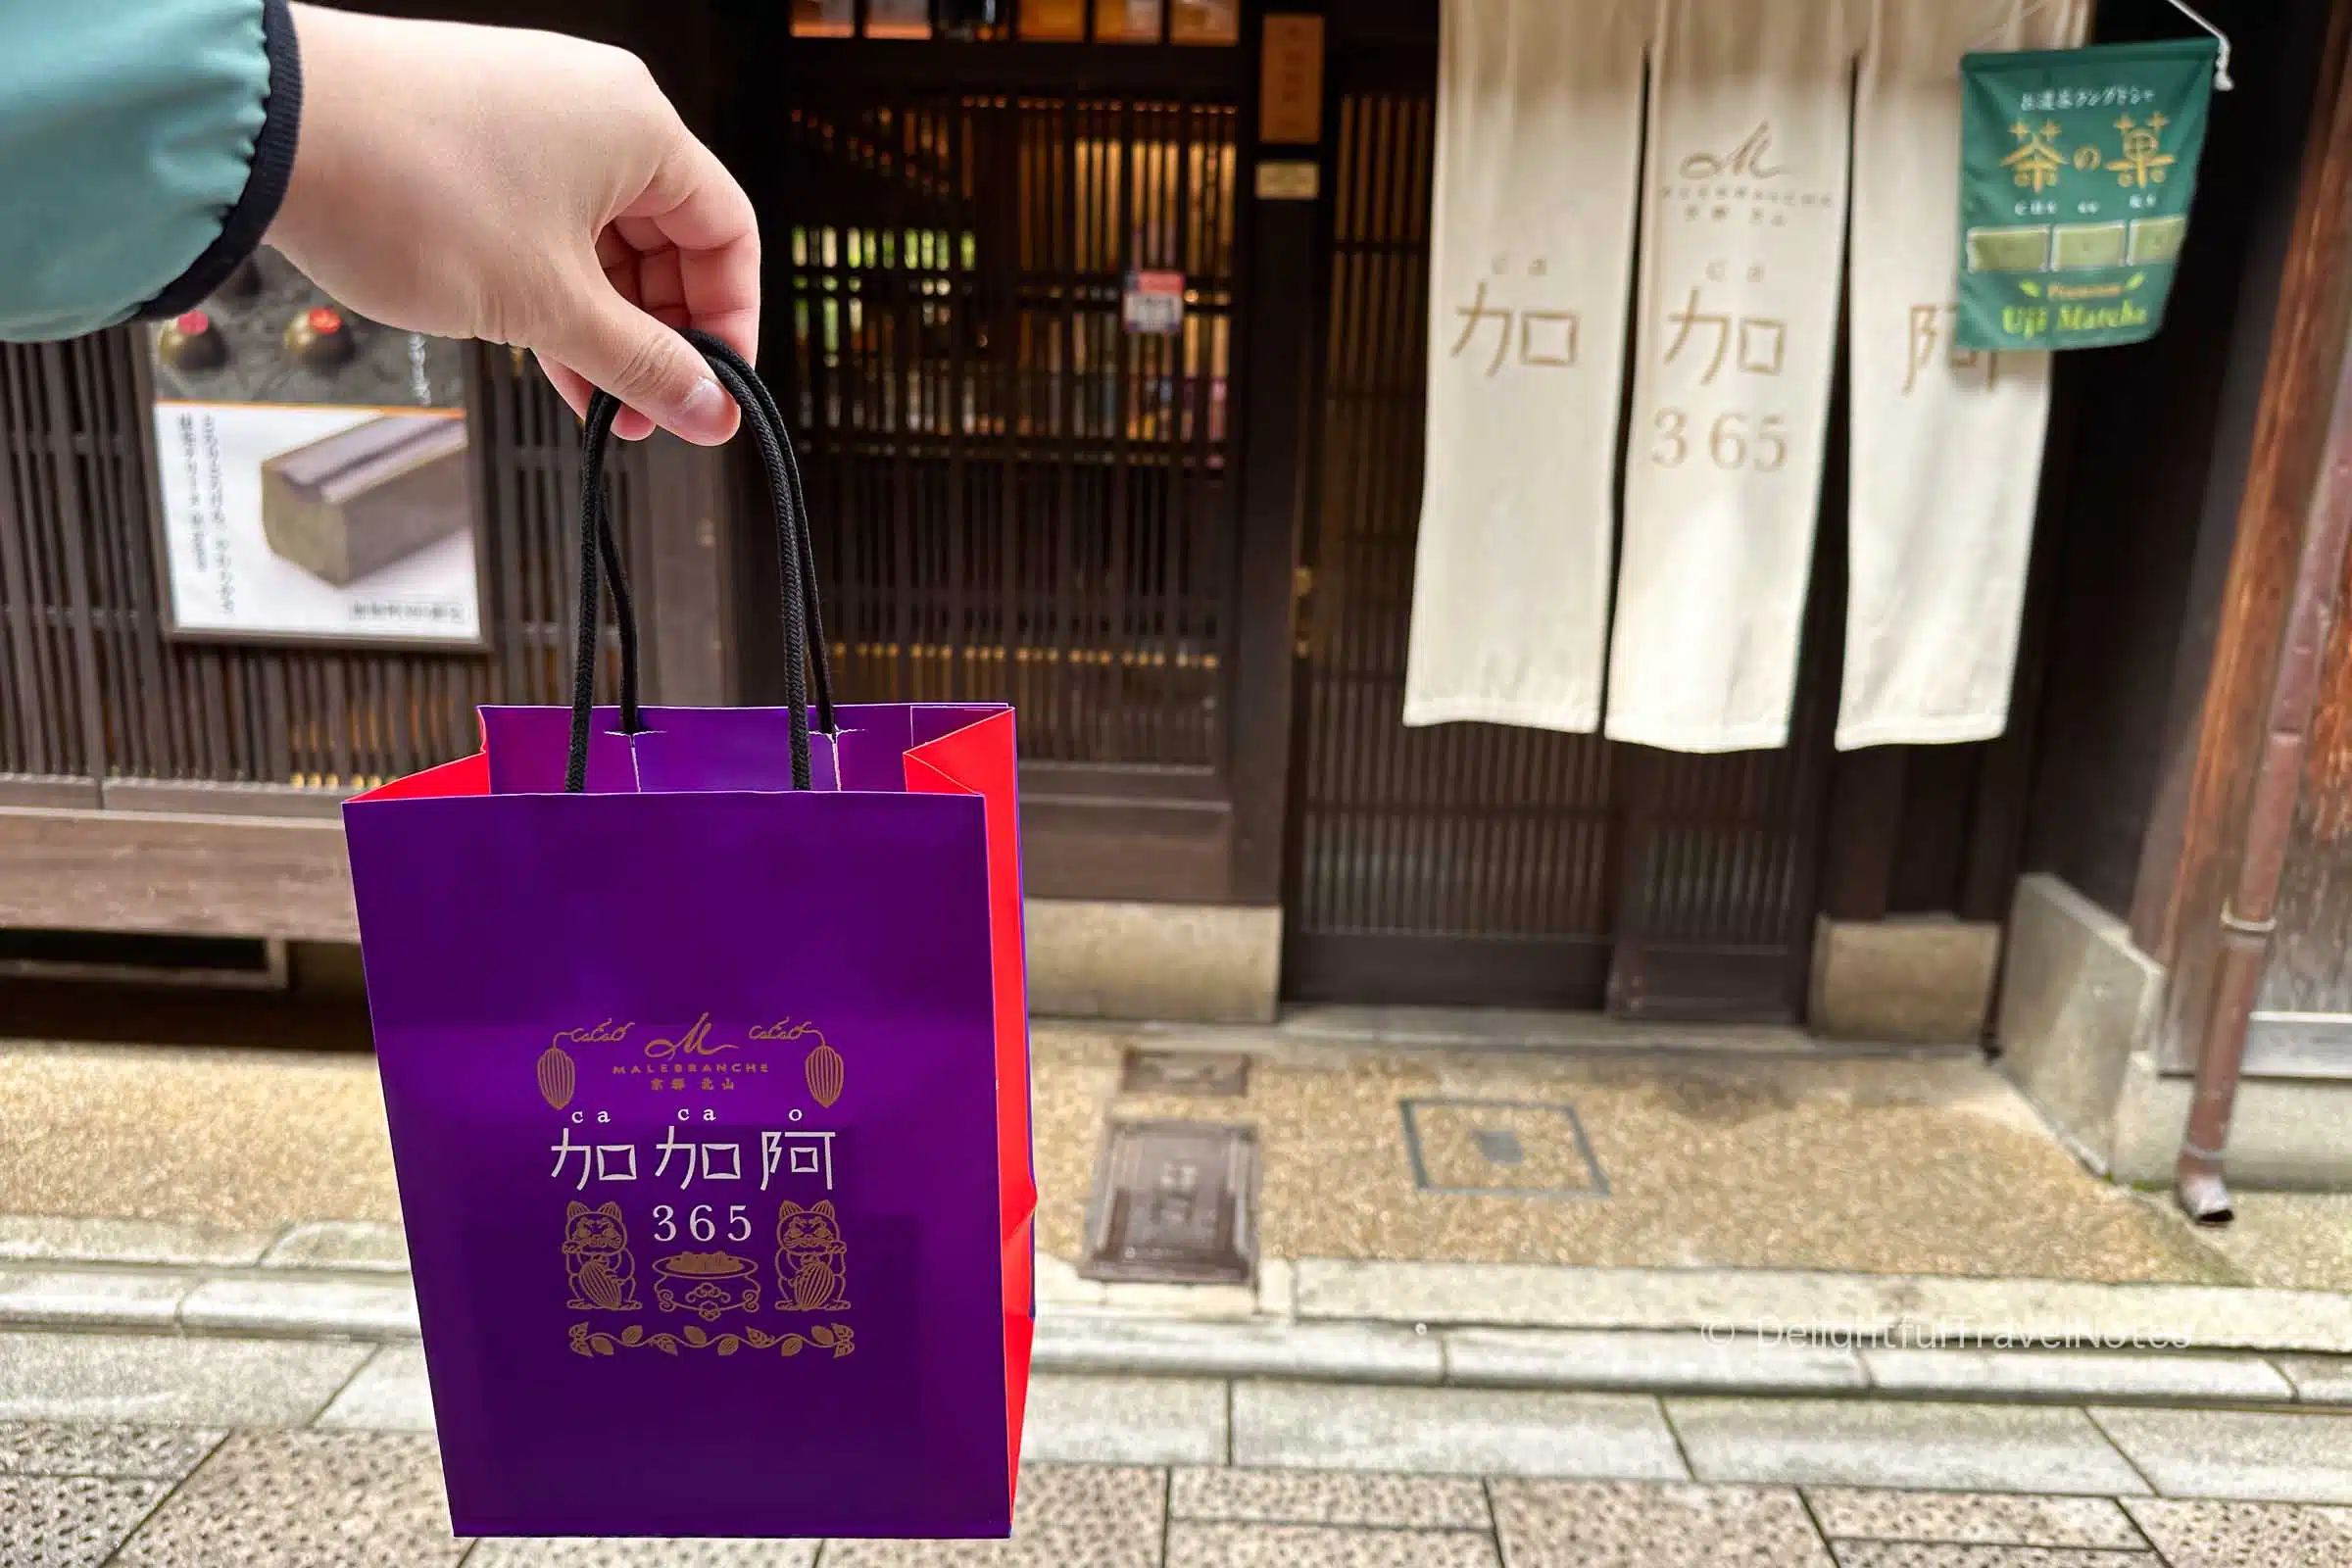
pixel 352 503
pixel 313 468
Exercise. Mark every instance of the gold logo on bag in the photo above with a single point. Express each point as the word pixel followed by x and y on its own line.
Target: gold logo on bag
pixel 695 1042
pixel 595 1259
pixel 557 1077
pixel 691 1058
pixel 812 1265
pixel 600 1034
pixel 823 1069
pixel 706 1284
pixel 834 1336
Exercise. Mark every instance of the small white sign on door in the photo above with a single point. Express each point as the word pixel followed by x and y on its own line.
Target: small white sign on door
pixel 1152 303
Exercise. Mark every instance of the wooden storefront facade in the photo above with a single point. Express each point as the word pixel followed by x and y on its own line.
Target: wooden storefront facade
pixel 1185 558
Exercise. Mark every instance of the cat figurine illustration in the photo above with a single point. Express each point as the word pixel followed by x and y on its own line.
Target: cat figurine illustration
pixel 597 1260
pixel 813 1269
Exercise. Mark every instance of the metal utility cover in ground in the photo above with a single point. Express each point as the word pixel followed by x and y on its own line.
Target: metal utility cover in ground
pixel 1211 1074
pixel 1501 1148
pixel 1174 1202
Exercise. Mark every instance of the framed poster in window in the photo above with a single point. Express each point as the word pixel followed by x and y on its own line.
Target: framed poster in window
pixel 313 475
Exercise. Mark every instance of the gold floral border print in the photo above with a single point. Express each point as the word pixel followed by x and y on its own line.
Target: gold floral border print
pixel 833 1337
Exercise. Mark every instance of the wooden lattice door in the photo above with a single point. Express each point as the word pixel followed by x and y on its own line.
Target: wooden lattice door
pixel 1017 497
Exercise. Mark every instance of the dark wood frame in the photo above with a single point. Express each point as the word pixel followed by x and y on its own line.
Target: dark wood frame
pixel 477 501
pixel 1213 834
pixel 247 860
pixel 861 14
pixel 241 858
pixel 2197 831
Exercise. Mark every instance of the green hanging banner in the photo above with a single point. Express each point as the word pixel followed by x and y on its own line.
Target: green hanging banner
pixel 2077 166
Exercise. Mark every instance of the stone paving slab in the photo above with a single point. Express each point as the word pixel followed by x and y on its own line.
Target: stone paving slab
pixel 2074 1377
pixel 1370 1353
pixel 1073 1517
pixel 77 1449
pixel 1309 1497
pixel 1932 1554
pixel 1887 1306
pixel 1230 1546
pixel 2319 1379
pixel 1651 1361
pixel 1964 1518
pixel 1060 1286
pixel 71 1521
pixel 1152 1421
pixel 2246 1454
pixel 57 1238
pixel 603 1552
pixel 2293 1238
pixel 90 1298
pixel 342 1244
pixel 1627 1525
pixel 1451 1431
pixel 2232 1535
pixel 390 1394
pixel 205 1382
pixel 360 1308
pixel 1873 1442
pixel 305 1499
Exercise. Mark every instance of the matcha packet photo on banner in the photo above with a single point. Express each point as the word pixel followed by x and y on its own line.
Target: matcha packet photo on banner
pixel 2077 170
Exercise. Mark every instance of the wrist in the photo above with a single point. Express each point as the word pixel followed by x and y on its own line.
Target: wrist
pixel 321 35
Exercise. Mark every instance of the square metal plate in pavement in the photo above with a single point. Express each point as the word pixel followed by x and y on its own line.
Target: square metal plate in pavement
pixel 1174 1202
pixel 1211 1074
pixel 1506 1147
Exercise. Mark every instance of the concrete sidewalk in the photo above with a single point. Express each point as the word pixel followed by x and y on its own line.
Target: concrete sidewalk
pixel 1740 1150
pixel 1718 1330
pixel 1770 1219
pixel 309 1455
pixel 1815 1309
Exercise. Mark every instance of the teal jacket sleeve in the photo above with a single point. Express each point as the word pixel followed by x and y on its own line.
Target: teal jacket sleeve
pixel 144 149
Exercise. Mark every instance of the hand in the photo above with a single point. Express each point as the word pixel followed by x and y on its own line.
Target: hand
pixel 526 188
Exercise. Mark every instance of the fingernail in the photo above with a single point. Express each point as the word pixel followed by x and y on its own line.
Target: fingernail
pixel 703 417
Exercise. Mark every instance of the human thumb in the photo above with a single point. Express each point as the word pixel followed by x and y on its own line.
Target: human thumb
pixel 650 368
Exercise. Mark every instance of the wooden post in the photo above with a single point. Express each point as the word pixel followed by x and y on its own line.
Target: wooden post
pixel 2185 879
pixel 1865 822
pixel 1283 331
pixel 2249 914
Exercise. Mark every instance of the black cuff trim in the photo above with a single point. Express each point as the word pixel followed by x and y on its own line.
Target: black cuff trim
pixel 264 185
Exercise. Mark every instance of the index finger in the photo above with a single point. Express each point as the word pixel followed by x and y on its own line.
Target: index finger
pixel 693 206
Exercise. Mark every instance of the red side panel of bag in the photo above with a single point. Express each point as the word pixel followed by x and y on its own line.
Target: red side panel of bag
pixel 468 775
pixel 980 759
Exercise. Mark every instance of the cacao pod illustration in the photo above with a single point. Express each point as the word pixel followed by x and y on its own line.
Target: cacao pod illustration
pixel 599 1285
pixel 555 1077
pixel 812 1286
pixel 824 1070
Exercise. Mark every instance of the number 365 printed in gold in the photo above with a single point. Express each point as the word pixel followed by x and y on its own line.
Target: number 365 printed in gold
pixel 1729 443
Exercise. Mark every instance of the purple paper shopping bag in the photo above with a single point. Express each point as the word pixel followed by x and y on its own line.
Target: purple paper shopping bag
pixel 704 1049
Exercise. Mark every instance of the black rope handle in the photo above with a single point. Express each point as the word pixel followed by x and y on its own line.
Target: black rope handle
pixel 820 660
pixel 803 616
